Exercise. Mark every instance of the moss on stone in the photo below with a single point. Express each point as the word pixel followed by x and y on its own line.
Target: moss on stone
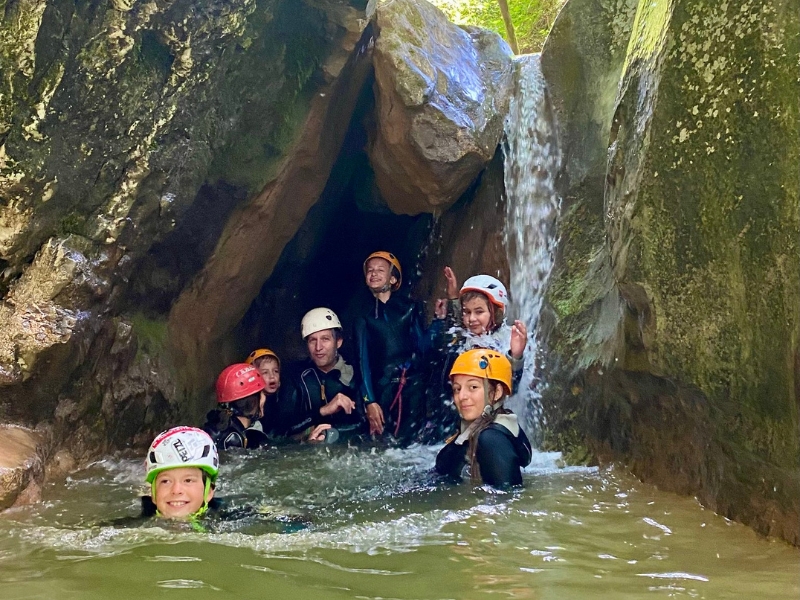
pixel 151 334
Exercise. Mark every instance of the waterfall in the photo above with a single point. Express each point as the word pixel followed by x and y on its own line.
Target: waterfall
pixel 531 163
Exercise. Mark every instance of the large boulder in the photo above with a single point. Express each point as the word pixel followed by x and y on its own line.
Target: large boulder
pixel 442 93
pixel 676 295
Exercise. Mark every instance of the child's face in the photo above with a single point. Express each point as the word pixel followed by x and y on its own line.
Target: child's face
pixel 180 492
pixel 476 315
pixel 469 395
pixel 379 274
pixel 271 372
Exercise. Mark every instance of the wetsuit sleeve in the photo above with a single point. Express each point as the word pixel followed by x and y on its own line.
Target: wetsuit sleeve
pixel 366 391
pixel 498 460
pixel 517 364
pixel 524 450
pixel 423 337
pixel 450 460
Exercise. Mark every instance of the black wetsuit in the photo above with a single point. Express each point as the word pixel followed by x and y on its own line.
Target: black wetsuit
pixel 228 432
pixel 272 423
pixel 392 349
pixel 305 390
pixel 223 517
pixel 500 455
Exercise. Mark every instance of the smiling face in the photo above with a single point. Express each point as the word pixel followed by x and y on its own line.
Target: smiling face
pixel 378 275
pixel 469 395
pixel 180 492
pixel 476 314
pixel 323 349
pixel 271 372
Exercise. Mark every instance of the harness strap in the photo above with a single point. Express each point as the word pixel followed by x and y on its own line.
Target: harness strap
pixel 398 400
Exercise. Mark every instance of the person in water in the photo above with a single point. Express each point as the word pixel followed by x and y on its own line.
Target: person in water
pixel 471 317
pixel 269 366
pixel 182 465
pixel 483 301
pixel 392 343
pixel 490 445
pixel 320 398
pixel 240 398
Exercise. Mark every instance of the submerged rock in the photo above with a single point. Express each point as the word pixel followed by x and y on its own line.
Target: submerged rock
pixel 677 290
pixel 442 93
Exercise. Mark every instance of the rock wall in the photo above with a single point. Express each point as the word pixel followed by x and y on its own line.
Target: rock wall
pixel 155 159
pixel 112 117
pixel 677 288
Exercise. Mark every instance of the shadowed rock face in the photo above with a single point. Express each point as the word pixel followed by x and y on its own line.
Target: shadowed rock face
pixel 112 116
pixel 677 288
pixel 442 93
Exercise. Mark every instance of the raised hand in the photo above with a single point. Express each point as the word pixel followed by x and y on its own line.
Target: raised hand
pixel 452 288
pixel 519 339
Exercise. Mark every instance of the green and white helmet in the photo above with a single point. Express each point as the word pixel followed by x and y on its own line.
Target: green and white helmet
pixel 182 447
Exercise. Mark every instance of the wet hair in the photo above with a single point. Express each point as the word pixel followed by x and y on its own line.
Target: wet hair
pixel 497 312
pixel 247 406
pixel 265 359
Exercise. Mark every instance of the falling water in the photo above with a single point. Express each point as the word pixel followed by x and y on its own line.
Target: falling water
pixel 532 160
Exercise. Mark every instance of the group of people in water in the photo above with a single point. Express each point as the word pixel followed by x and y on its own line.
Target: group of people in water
pixel 409 383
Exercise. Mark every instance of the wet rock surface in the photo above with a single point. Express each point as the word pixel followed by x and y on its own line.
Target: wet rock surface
pixel 21 465
pixel 676 292
pixel 112 117
pixel 442 93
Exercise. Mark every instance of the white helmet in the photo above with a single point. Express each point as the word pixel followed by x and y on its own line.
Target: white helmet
pixel 318 319
pixel 490 287
pixel 182 447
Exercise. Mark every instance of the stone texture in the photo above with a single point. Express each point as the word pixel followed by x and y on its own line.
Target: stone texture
pixel 209 309
pixel 113 115
pixel 21 465
pixel 468 237
pixel 677 289
pixel 442 93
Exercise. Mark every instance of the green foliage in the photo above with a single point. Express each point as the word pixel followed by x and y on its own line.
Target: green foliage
pixel 532 18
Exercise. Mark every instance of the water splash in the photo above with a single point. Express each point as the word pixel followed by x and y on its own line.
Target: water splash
pixel 532 160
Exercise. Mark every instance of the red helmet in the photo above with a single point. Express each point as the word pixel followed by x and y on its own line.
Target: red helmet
pixel 238 381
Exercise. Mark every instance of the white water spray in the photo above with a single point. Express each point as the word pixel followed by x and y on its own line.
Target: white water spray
pixel 532 160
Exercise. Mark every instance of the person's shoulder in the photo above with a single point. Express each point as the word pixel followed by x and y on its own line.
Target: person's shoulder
pixel 296 368
pixel 496 434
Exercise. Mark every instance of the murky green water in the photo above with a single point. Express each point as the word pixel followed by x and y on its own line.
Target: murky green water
pixel 381 528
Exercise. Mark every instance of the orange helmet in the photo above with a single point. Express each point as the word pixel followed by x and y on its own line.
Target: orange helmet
pixel 486 364
pixel 261 353
pixel 392 260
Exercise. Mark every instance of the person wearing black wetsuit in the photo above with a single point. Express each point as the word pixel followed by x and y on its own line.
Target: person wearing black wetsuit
pixel 392 345
pixel 321 393
pixel 490 446
pixel 234 424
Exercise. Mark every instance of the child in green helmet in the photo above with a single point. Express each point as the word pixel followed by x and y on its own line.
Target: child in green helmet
pixel 182 466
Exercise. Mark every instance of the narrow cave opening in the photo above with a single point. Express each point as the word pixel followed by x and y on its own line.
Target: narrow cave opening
pixel 322 264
